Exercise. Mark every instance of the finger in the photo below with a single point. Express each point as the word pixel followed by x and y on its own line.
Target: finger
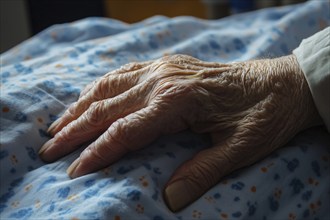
pixel 127 68
pixel 107 87
pixel 126 134
pixel 192 179
pixel 99 116
pixel 188 61
pixel 88 88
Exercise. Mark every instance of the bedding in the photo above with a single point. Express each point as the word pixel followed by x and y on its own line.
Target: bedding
pixel 43 75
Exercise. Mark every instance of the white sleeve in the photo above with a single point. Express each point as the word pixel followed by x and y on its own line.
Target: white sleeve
pixel 313 55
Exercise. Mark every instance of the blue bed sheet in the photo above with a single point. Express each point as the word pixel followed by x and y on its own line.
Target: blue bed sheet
pixel 43 75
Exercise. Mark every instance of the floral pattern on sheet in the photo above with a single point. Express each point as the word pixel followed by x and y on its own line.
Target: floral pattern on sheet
pixel 42 76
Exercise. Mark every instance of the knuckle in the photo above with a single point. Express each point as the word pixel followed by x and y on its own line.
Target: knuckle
pixel 135 66
pixel 238 153
pixel 118 128
pixel 229 155
pixel 203 174
pixel 72 110
pixel 130 67
pixel 114 85
pixel 64 135
pixel 118 133
pixel 95 113
pixel 101 88
pixel 208 168
pixel 175 89
pixel 107 87
pixel 94 152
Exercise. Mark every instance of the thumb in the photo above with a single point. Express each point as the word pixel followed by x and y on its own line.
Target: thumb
pixel 192 179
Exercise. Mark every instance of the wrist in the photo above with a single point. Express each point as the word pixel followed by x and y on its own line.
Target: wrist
pixel 290 76
pixel 284 78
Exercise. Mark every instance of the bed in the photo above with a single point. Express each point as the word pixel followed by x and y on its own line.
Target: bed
pixel 43 75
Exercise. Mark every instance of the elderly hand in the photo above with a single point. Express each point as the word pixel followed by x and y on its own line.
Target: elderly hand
pixel 250 109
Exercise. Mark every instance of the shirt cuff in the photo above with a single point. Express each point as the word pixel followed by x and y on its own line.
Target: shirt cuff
pixel 313 55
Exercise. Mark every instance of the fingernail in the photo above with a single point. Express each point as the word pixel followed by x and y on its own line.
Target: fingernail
pixel 177 195
pixel 46 146
pixel 72 168
pixel 53 127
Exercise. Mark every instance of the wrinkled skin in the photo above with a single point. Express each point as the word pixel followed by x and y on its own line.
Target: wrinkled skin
pixel 249 108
